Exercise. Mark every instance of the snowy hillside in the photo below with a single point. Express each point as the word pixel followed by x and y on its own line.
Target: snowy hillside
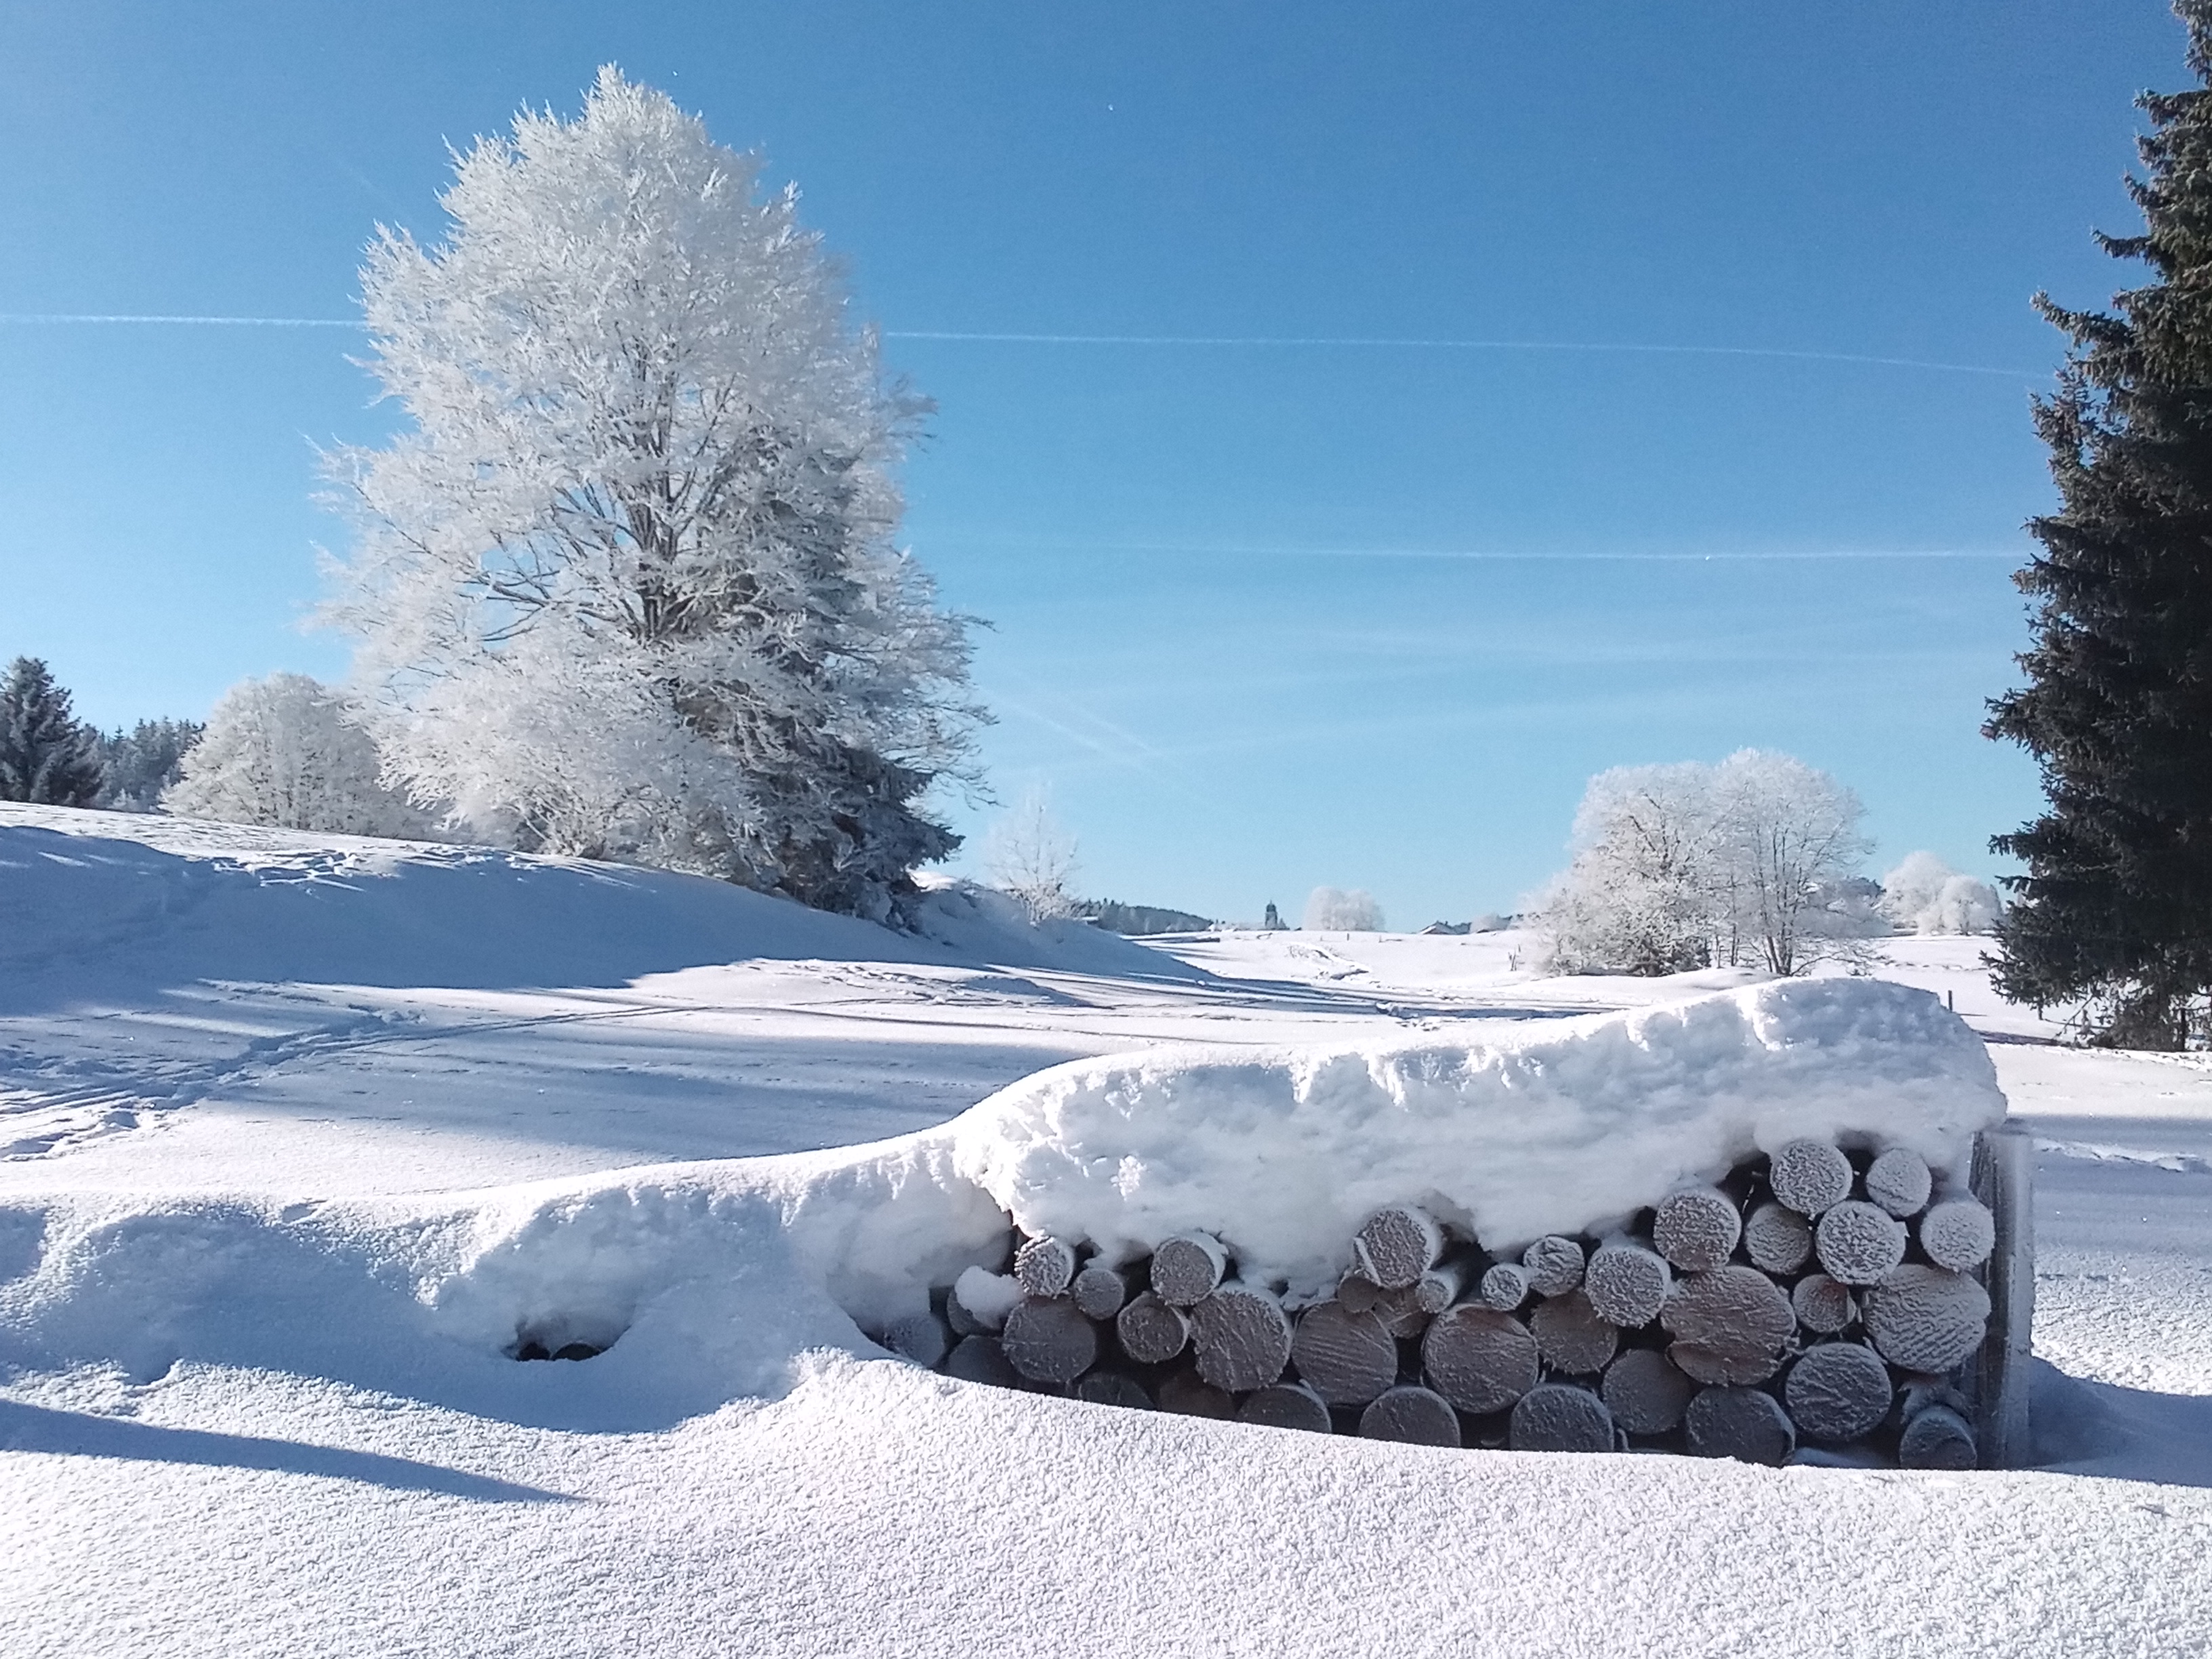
pixel 301 1133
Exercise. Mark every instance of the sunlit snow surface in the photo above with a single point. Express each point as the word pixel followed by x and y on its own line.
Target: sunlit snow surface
pixel 273 1109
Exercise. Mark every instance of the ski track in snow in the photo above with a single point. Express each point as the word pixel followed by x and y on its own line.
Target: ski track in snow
pixel 214 1109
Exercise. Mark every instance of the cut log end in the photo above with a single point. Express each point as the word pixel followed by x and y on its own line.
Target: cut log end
pixel 922 1337
pixel 1101 1292
pixel 1112 1389
pixel 1504 1287
pixel 1858 1243
pixel 1733 1324
pixel 1777 1239
pixel 1045 1267
pixel 1188 1394
pixel 1899 1182
pixel 1559 1417
pixel 1697 1228
pixel 1395 1246
pixel 1740 1423
pixel 1554 1264
pixel 1419 1416
pixel 1926 1319
pixel 1241 1338
pixel 1646 1392
pixel 1153 1332
pixel 980 1359
pixel 1439 1287
pixel 1959 1234
pixel 1478 1359
pixel 1839 1392
pixel 1823 1305
pixel 1286 1405
pixel 1811 1176
pixel 1048 1340
pixel 1627 1284
pixel 1186 1269
pixel 1937 1438
pixel 1345 1357
pixel 1570 1336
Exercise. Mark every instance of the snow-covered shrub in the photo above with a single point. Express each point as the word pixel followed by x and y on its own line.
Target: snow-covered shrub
pixel 1342 911
pixel 1029 855
pixel 288 751
pixel 1685 866
pixel 1924 895
pixel 628 586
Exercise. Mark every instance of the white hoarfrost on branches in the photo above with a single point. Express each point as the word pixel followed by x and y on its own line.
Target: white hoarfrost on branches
pixel 1342 911
pixel 629 587
pixel 289 751
pixel 1031 855
pixel 1924 895
pixel 1753 861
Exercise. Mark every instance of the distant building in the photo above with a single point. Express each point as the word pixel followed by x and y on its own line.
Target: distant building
pixel 1449 928
pixel 1274 922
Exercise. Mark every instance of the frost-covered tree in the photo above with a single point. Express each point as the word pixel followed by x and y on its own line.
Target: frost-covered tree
pixel 2113 915
pixel 1924 895
pixel 138 765
pixel 1685 866
pixel 1031 855
pixel 286 751
pixel 46 756
pixel 1342 911
pixel 627 587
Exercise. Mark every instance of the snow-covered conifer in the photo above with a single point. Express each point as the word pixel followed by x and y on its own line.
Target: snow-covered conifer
pixel 45 755
pixel 1342 911
pixel 284 751
pixel 628 587
pixel 136 766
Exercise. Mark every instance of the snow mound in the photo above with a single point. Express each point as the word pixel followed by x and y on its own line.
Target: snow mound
pixel 105 904
pixel 1564 1128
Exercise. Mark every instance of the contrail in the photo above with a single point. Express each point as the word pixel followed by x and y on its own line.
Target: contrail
pixel 1349 342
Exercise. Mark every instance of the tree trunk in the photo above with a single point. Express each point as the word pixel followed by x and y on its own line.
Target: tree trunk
pixel 1570 1336
pixel 1287 1406
pixel 1397 1245
pixel 1358 1293
pixel 1740 1423
pixel 1839 1392
pixel 1152 1331
pixel 1188 1394
pixel 1554 1264
pixel 1626 1283
pixel 1924 1319
pixel 1241 1338
pixel 1959 1234
pixel 1345 1357
pixel 1696 1229
pixel 1400 1313
pixel 1412 1414
pixel 1101 1292
pixel 1045 1265
pixel 1186 1268
pixel 1478 1359
pixel 1811 1176
pixel 1048 1340
pixel 1858 1243
pixel 1112 1389
pixel 1777 1239
pixel 1559 1417
pixel 1646 1392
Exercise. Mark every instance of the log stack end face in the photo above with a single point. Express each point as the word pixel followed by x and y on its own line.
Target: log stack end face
pixel 1771 1309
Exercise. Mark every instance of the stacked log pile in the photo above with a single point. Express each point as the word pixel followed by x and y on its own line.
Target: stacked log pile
pixel 1823 1305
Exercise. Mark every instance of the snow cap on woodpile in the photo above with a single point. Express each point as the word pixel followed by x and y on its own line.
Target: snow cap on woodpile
pixel 1555 1129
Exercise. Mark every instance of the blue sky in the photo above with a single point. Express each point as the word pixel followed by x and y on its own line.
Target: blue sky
pixel 1266 615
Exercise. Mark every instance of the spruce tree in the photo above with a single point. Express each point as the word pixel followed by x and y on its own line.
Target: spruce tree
pixel 2115 913
pixel 46 755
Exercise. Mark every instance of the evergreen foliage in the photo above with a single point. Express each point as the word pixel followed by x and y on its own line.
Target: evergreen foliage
pixel 2114 914
pixel 46 756
pixel 1139 921
pixel 138 765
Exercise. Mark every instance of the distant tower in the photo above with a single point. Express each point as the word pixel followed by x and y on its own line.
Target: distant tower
pixel 1274 921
